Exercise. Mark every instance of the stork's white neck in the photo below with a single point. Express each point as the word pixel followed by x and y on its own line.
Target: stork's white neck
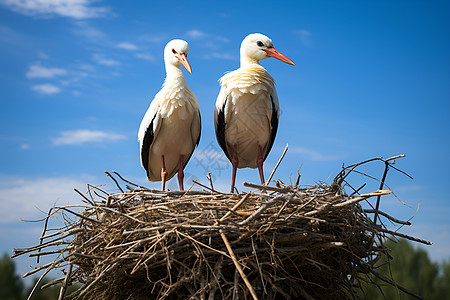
pixel 247 60
pixel 173 72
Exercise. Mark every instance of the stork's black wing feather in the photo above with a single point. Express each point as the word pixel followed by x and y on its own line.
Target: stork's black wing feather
pixel 219 124
pixel 146 143
pixel 274 124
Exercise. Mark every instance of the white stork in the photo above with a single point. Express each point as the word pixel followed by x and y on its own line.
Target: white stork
pixel 247 112
pixel 170 130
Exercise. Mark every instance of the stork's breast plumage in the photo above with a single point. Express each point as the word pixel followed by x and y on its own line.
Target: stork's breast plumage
pixel 248 112
pixel 177 100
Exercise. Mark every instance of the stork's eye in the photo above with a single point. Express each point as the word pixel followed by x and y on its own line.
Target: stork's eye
pixel 259 43
pixel 173 51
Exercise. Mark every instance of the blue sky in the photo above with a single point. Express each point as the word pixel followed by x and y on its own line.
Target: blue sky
pixel 372 78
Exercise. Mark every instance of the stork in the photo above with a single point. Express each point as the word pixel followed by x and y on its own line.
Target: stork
pixel 247 112
pixel 170 129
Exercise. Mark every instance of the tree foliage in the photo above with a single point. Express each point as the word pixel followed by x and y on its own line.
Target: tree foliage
pixel 412 269
pixel 12 287
pixel 10 283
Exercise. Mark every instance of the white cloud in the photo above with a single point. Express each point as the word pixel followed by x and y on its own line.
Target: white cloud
pixel 312 154
pixel 196 34
pixel 220 55
pixel 7 35
pixel 212 38
pixel 86 30
pixel 76 9
pixel 23 198
pixel 408 188
pixel 46 88
pixel 42 55
pixel 24 146
pixel 77 137
pixel 305 37
pixel 154 38
pixel 38 71
pixel 127 46
pixel 86 67
pixel 146 56
pixel 105 61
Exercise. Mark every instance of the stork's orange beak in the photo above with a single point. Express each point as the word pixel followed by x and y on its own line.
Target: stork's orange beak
pixel 183 60
pixel 272 52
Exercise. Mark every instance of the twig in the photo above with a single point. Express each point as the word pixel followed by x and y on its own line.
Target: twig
pixel 268 188
pixel 276 166
pixel 405 236
pixel 387 280
pixel 206 187
pixel 53 264
pixel 377 206
pixel 202 244
pixel 115 181
pixel 37 269
pixel 236 206
pixel 129 182
pixel 263 207
pixel 238 266
pixel 378 193
pixel 84 197
pixel 208 176
pixel 62 291
pixel 388 216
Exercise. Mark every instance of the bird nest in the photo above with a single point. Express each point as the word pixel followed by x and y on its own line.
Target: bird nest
pixel 277 242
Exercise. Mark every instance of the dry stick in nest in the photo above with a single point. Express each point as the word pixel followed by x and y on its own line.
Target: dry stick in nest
pixel 276 166
pixel 62 291
pixel 388 164
pixel 254 215
pixel 230 250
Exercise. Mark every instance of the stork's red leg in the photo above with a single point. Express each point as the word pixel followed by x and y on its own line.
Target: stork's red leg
pixel 163 174
pixel 259 163
pixel 181 173
pixel 234 162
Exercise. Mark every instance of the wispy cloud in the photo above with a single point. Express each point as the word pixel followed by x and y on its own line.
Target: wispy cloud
pixel 86 30
pixel 12 37
pixel 38 71
pixel 76 9
pixel 82 136
pixel 46 88
pixel 42 55
pixel 305 36
pixel 105 61
pixel 23 198
pixel 312 154
pixel 210 41
pixel 408 188
pixel 220 55
pixel 127 46
pixel 146 56
pixel 196 34
pixel 86 67
pixel 154 38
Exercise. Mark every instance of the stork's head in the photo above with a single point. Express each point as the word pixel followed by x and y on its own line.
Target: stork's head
pixel 256 47
pixel 175 53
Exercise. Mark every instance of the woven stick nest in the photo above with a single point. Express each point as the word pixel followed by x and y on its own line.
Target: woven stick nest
pixel 279 242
